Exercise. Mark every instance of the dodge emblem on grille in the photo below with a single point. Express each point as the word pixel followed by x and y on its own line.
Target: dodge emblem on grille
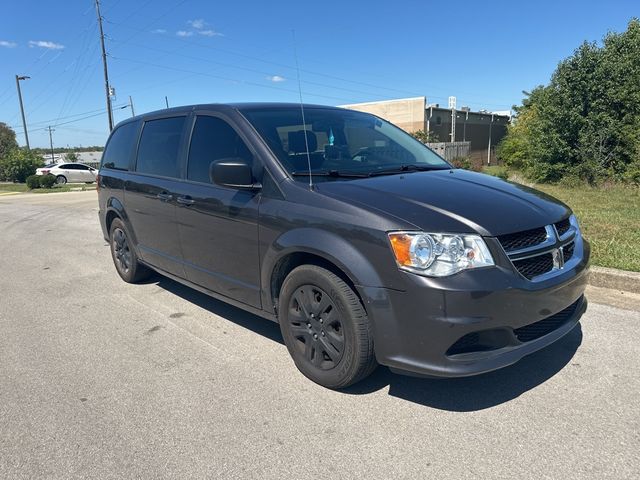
pixel 558 258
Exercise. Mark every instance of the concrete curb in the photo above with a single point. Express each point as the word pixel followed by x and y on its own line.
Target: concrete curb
pixel 614 279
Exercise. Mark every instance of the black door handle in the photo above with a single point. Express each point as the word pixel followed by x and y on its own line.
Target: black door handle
pixel 165 197
pixel 186 200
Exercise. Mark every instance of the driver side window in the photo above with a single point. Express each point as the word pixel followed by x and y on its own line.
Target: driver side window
pixel 213 139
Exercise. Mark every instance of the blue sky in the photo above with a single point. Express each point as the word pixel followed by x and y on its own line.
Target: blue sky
pixel 197 51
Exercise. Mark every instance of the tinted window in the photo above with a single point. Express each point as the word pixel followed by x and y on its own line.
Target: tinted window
pixel 213 139
pixel 159 145
pixel 118 151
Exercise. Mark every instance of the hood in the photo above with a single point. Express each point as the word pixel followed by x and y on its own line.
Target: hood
pixel 456 201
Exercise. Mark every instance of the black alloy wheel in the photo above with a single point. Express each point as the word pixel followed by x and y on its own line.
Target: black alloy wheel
pixel 325 327
pixel 121 250
pixel 316 325
pixel 124 255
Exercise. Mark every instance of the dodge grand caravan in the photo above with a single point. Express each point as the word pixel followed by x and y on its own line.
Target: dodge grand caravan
pixel 364 245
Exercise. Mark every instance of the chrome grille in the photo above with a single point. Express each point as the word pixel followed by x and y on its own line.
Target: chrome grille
pixel 534 266
pixel 568 250
pixel 538 252
pixel 563 226
pixel 519 240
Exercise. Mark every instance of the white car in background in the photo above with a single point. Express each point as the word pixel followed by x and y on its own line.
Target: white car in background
pixel 69 172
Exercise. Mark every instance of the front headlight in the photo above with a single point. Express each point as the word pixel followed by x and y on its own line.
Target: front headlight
pixel 439 254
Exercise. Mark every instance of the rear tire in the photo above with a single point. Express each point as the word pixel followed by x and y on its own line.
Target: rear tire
pixel 325 328
pixel 61 180
pixel 124 256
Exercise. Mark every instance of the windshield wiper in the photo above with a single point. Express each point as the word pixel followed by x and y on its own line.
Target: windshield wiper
pixel 406 168
pixel 331 173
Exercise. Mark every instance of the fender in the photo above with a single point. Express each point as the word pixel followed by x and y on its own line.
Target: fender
pixel 324 244
pixel 115 205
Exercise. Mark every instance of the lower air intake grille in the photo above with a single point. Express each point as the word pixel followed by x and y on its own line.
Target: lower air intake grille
pixel 546 325
pixel 533 266
pixel 473 342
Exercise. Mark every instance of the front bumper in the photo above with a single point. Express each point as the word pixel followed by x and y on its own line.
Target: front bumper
pixel 421 329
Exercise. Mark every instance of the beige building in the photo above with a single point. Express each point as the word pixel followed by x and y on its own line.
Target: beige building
pixel 483 130
pixel 406 113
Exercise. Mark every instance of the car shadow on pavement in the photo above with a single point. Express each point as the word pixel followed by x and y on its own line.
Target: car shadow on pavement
pixel 240 317
pixel 481 391
pixel 457 394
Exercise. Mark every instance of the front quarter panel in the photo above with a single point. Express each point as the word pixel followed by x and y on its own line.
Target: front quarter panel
pixel 348 237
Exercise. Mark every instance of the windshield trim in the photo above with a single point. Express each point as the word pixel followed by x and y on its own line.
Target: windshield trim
pixel 247 111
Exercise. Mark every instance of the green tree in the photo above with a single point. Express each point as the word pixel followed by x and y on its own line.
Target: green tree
pixel 586 122
pixel 71 157
pixel 18 164
pixel 425 137
pixel 7 139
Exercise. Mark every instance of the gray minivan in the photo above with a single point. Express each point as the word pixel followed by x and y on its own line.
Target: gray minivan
pixel 363 244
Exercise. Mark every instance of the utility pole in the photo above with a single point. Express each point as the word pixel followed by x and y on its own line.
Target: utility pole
pixel 51 140
pixel 104 65
pixel 489 147
pixel 166 101
pixel 452 106
pixel 464 128
pixel 133 113
pixel 24 121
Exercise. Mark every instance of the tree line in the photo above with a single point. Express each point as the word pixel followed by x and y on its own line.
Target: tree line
pixel 585 124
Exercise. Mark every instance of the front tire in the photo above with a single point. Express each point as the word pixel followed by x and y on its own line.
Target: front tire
pixel 124 256
pixel 325 328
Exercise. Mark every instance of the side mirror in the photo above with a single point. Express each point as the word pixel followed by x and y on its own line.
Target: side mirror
pixel 233 173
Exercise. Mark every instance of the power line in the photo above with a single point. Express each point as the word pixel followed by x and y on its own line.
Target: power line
pixel 235 80
pixel 307 71
pixel 100 112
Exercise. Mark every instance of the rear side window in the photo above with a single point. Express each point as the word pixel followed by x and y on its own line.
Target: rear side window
pixel 213 139
pixel 118 151
pixel 159 147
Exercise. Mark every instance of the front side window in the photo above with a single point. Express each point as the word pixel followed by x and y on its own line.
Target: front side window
pixel 336 141
pixel 118 152
pixel 212 140
pixel 159 147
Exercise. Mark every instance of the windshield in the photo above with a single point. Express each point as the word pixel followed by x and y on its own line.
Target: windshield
pixel 341 143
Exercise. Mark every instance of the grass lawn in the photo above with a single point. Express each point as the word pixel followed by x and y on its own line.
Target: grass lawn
pixel 610 220
pixel 609 217
pixel 22 187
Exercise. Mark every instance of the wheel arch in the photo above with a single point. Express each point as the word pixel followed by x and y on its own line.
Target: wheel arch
pixel 314 247
pixel 115 209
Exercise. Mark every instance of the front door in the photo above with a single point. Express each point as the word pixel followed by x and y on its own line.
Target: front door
pixel 150 194
pixel 218 225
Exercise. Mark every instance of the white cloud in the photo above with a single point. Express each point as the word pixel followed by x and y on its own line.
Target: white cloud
pixel 5 43
pixel 276 78
pixel 183 33
pixel 210 33
pixel 159 30
pixel 45 44
pixel 198 24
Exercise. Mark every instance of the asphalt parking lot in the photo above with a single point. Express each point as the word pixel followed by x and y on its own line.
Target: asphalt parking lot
pixel 100 379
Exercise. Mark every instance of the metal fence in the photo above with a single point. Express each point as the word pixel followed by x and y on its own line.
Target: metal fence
pixel 451 150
